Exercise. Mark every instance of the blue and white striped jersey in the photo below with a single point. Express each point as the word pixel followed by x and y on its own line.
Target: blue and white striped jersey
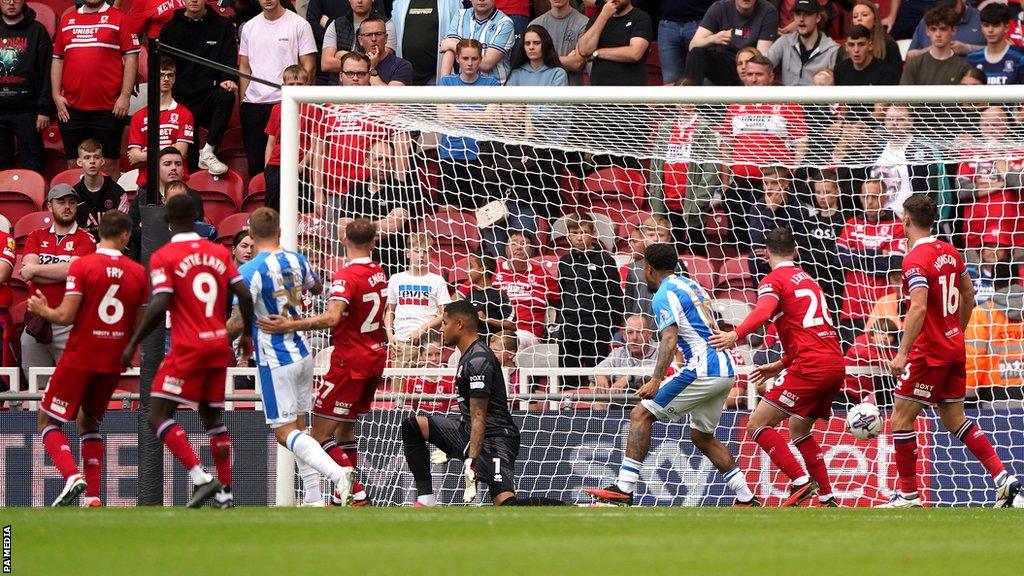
pixel 682 302
pixel 276 281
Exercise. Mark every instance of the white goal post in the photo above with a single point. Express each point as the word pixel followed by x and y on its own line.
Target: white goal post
pixel 704 166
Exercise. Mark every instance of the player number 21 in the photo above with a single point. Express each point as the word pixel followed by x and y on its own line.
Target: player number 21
pixel 950 293
pixel 204 286
pixel 111 309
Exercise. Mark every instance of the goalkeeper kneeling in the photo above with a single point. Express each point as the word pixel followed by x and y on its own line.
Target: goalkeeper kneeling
pixel 484 435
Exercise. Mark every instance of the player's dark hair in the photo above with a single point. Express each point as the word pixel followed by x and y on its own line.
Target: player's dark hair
pixel 361 231
pixel 180 212
pixel 264 223
pixel 662 257
pixel 995 14
pixel 858 32
pixel 463 309
pixel 921 210
pixel 114 223
pixel 780 242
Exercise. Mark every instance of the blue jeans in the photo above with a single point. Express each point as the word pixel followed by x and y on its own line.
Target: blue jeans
pixel 673 41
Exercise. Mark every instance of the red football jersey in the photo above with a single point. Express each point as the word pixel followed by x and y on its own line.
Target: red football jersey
pixel 427 386
pixel 113 288
pixel 347 133
pixel 274 129
pixel 359 340
pixel 936 265
pixel 530 293
pixel 802 320
pixel 761 134
pixel 197 273
pixel 147 17
pixel 54 249
pixel 9 256
pixel 677 161
pixel 863 290
pixel 176 125
pixel 91 46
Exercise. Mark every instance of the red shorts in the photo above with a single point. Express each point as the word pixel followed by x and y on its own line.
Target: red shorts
pixel 932 384
pixel 71 388
pixel 345 396
pixel 806 395
pixel 188 383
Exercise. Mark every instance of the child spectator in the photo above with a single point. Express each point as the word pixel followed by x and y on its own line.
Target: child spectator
pixel 494 306
pixel 96 191
pixel 416 300
pixel 431 356
pixel 294 75
pixel 505 346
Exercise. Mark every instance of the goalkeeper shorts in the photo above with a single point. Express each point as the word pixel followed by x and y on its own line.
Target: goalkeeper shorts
pixel 496 465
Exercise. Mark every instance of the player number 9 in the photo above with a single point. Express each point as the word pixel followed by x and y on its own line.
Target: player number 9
pixel 111 309
pixel 205 288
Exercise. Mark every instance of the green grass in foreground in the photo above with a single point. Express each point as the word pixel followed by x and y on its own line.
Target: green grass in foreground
pixel 486 541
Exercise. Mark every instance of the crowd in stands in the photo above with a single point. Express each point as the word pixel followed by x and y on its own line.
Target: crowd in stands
pixel 548 243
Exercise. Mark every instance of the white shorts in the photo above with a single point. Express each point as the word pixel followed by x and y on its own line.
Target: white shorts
pixel 703 398
pixel 287 391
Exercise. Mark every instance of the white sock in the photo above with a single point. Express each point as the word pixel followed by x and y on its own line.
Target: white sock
pixel 629 474
pixel 310 452
pixel 311 492
pixel 427 499
pixel 824 497
pixel 802 480
pixel 207 148
pixel 199 476
pixel 1001 478
pixel 737 482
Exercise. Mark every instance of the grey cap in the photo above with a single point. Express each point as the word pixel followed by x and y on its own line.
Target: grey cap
pixel 60 191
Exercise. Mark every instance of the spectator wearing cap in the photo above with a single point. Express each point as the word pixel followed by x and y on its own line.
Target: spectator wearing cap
pixel 967 38
pixel 345 34
pixel 48 253
pixel 420 27
pixel 861 68
pixel 638 351
pixel 616 44
pixel 26 101
pixel 269 43
pixel 800 54
pixel 97 192
pixel 727 27
pixel 208 93
pixel 939 64
pixel 592 301
pixel 996 269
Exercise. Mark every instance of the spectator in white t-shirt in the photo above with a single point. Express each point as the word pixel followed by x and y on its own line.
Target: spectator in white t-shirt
pixel 270 42
pixel 416 300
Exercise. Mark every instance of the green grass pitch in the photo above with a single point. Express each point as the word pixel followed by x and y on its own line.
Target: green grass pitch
pixel 487 541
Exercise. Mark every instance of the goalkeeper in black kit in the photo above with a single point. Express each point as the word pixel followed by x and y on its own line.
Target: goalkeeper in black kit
pixel 484 436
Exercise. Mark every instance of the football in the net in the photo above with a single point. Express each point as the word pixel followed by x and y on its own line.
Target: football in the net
pixel 864 421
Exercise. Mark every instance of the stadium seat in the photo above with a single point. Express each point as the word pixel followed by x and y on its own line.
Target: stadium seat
pixel 222 195
pixel 129 181
pixel 459 274
pixel 615 184
pixel 231 145
pixel 29 222
pixel 70 177
pixel 748 295
pixel 45 15
pixel 230 226
pixel 700 269
pixel 454 228
pixel 732 312
pixel 21 193
pixel 5 224
pixel 256 193
pixel 237 165
pixel 735 273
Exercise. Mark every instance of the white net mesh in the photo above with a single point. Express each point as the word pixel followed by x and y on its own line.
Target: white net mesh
pixel 541 212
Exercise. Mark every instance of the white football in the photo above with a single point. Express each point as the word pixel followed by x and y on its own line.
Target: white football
pixel 864 421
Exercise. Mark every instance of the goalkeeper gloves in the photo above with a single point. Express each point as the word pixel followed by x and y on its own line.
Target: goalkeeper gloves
pixel 438 457
pixel 469 475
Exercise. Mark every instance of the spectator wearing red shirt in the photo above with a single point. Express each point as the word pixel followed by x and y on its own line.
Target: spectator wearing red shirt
pixel 758 135
pixel 293 75
pixel 529 288
pixel 49 253
pixel 177 127
pixel 431 355
pixel 870 246
pixel 147 17
pixel 518 11
pixel 8 257
pixel 95 62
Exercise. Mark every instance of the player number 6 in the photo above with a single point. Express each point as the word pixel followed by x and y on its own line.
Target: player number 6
pixel 111 309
